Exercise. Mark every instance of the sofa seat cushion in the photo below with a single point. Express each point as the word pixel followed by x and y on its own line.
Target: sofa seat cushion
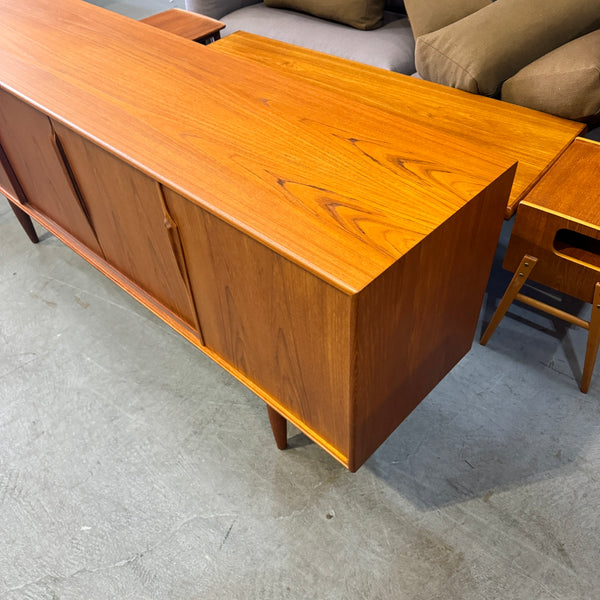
pixel 564 82
pixel 362 14
pixel 482 50
pixel 390 47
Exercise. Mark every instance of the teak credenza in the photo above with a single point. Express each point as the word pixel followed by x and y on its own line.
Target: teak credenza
pixel 330 254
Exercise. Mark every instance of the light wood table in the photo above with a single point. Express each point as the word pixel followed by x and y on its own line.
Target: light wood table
pixel 500 129
pixel 556 242
pixel 325 246
pixel 189 25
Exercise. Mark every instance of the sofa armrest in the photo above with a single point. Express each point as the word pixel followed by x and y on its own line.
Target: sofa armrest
pixel 217 8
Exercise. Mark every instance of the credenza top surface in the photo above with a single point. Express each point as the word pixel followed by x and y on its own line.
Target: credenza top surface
pixel 338 186
pixel 533 138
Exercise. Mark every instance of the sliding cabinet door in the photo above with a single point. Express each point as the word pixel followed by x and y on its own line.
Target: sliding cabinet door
pixel 31 149
pixel 6 184
pixel 280 326
pixel 129 216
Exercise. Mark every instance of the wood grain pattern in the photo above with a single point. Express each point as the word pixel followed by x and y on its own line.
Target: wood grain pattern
pixel 11 188
pixel 532 138
pixel 8 181
pixel 418 320
pixel 26 138
pixel 113 274
pixel 277 324
pixel 125 208
pixel 273 160
pixel 566 199
pixel 333 254
pixel 185 23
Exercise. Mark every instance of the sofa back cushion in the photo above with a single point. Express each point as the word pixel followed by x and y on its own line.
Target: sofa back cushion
pixel 361 14
pixel 482 50
pixel 430 15
pixel 564 82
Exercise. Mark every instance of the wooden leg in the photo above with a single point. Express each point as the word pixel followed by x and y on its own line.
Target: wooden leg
pixel 26 222
pixel 593 342
pixel 278 427
pixel 516 283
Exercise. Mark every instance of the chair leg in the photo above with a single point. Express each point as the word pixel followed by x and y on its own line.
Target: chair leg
pixel 593 342
pixel 26 222
pixel 278 427
pixel 516 283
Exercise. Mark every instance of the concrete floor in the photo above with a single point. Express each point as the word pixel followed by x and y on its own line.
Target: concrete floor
pixel 132 467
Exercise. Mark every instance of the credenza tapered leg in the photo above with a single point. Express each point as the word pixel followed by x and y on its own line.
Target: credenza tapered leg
pixel 26 222
pixel 278 427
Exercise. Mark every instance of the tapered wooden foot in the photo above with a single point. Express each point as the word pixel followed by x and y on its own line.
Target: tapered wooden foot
pixel 516 283
pixel 26 222
pixel 278 427
pixel 593 342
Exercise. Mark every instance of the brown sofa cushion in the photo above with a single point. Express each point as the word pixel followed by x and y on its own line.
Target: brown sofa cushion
pixel 482 50
pixel 430 15
pixel 564 82
pixel 361 14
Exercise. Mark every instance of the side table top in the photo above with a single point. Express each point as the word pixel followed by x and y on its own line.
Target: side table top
pixel 184 23
pixel 572 186
pixel 533 138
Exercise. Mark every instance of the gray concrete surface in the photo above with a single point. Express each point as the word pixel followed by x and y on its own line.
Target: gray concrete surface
pixel 131 467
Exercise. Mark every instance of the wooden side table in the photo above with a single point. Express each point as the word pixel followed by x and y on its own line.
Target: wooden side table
pixel 187 24
pixel 556 242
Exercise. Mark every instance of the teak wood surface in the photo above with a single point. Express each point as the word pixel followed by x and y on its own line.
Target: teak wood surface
pixel 184 23
pixel 54 196
pixel 328 252
pixel 556 241
pixel 534 139
pixel 267 153
pixel 566 199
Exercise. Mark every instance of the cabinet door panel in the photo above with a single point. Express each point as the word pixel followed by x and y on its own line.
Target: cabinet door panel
pixel 129 216
pixel 280 326
pixel 26 136
pixel 6 185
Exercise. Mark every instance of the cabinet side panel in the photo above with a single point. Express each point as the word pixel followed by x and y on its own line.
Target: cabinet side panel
pixel 418 319
pixel 26 137
pixel 280 326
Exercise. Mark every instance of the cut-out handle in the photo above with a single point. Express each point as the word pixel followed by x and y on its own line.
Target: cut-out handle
pixel 577 246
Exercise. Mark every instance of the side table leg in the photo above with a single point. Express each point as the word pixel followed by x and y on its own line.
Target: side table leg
pixel 593 342
pixel 26 222
pixel 516 283
pixel 278 427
